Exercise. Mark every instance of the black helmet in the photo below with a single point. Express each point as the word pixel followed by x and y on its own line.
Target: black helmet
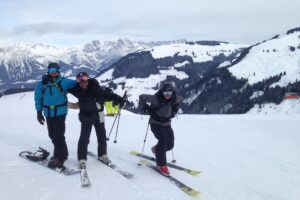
pixel 167 86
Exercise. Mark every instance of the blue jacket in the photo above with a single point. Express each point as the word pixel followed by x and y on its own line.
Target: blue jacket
pixel 52 97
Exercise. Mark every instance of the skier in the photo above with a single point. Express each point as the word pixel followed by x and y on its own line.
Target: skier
pixel 91 99
pixel 50 97
pixel 162 107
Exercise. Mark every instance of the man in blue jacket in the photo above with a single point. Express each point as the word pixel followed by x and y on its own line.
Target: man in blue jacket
pixel 51 97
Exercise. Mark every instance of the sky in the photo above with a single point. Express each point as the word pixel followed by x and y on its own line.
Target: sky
pixel 71 22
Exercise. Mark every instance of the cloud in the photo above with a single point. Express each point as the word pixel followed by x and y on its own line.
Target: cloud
pixel 244 21
pixel 42 29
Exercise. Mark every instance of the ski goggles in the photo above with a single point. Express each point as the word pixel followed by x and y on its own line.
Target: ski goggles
pixel 167 93
pixel 53 70
pixel 80 79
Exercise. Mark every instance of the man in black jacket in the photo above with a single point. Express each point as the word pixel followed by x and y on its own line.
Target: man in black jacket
pixel 161 107
pixel 91 98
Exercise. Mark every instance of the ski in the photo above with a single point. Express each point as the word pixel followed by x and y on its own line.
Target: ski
pixel 183 187
pixel 84 178
pixel 113 166
pixel 189 171
pixel 66 171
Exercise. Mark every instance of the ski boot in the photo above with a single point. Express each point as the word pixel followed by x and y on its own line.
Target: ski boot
pixel 54 163
pixel 104 158
pixel 164 170
pixel 82 163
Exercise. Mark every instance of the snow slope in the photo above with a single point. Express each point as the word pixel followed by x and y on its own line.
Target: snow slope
pixel 242 157
pixel 199 53
pixel 270 58
pixel 288 106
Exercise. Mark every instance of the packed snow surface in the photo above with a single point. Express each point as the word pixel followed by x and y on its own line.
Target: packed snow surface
pixel 241 157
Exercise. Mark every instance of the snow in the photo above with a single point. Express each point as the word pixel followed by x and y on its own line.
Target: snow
pixel 92 55
pixel 257 94
pixel 136 86
pixel 251 156
pixel 199 53
pixel 271 58
pixel 288 106
pixel 106 75
pixel 178 65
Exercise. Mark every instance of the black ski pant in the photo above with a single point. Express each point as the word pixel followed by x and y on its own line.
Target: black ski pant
pixel 165 136
pixel 56 131
pixel 84 139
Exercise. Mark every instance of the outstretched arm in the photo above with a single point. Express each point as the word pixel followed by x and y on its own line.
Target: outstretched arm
pixel 38 97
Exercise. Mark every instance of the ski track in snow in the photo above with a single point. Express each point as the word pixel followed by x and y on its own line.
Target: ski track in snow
pixel 241 157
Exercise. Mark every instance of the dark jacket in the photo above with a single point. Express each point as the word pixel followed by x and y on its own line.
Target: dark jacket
pixel 161 110
pixel 91 100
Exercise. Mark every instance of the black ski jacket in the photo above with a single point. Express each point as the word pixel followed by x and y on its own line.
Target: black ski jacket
pixel 161 110
pixel 91 100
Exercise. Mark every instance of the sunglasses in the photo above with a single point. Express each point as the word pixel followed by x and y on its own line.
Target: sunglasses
pixel 167 93
pixel 82 79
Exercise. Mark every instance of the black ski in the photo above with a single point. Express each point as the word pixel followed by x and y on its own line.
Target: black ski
pixel 183 187
pixel 64 171
pixel 189 171
pixel 113 166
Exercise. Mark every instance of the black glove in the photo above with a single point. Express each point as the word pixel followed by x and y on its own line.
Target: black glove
pixel 40 117
pixel 174 112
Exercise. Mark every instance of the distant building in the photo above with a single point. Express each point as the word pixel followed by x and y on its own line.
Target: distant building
pixel 291 95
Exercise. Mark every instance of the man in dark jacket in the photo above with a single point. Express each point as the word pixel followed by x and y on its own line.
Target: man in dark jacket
pixel 91 99
pixel 51 97
pixel 161 107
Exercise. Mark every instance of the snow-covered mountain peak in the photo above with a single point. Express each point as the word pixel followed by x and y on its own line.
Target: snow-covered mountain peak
pixel 279 55
pixel 29 61
pixel 196 50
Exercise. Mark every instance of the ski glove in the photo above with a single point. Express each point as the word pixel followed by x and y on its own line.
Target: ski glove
pixel 40 117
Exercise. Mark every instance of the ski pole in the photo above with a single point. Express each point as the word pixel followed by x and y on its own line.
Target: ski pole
pixel 112 126
pixel 119 113
pixel 140 163
pixel 173 161
pixel 117 116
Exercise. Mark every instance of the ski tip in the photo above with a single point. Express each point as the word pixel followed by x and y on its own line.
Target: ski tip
pixel 193 193
pixel 25 152
pixel 86 185
pixel 134 153
pixel 193 173
pixel 143 162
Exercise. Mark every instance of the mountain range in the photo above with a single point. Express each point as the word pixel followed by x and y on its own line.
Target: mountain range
pixel 21 65
pixel 214 77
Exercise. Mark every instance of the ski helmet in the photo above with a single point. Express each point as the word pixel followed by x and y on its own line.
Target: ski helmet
pixel 167 86
pixel 53 67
